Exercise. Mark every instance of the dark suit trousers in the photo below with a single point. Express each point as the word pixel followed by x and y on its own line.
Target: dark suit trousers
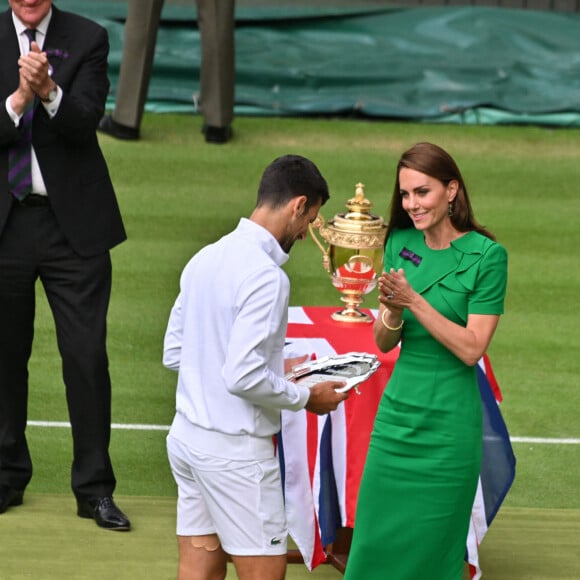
pixel 78 289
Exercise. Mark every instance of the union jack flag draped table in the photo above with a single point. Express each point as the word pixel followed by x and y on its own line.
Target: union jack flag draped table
pixel 322 457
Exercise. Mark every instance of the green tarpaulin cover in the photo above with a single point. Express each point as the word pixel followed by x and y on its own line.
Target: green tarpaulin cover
pixel 440 64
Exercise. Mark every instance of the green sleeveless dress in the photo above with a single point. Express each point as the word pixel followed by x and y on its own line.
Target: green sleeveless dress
pixel 423 462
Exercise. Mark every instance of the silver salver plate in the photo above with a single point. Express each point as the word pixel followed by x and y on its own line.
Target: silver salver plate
pixel 353 368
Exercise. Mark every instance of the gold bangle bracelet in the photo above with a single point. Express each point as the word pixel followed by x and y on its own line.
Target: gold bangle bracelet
pixel 392 328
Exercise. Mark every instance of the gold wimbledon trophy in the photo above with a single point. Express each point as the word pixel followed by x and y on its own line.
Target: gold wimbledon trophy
pixel 354 257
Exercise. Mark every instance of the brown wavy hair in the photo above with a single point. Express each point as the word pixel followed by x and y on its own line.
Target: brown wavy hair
pixel 434 161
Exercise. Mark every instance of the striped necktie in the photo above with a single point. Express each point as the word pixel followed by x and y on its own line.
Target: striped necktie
pixel 20 154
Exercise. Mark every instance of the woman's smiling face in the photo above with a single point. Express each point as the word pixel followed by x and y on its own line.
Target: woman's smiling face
pixel 425 199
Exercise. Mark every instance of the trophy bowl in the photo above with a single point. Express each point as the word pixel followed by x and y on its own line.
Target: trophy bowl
pixel 354 255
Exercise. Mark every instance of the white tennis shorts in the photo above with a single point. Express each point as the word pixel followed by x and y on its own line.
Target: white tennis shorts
pixel 240 501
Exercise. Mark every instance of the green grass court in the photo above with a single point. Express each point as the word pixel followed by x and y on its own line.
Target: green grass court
pixel 178 194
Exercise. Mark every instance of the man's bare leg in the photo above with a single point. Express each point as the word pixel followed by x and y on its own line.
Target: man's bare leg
pixel 260 567
pixel 201 558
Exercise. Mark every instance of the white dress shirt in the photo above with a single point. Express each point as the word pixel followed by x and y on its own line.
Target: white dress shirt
pixel 225 336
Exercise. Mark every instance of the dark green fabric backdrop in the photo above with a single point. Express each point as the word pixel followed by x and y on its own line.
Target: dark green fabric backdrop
pixel 441 64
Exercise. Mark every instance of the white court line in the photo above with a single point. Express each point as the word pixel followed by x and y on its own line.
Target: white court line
pixel 544 440
pixel 141 427
pixel 127 426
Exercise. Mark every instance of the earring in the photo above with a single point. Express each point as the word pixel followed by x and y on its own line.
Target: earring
pixel 450 209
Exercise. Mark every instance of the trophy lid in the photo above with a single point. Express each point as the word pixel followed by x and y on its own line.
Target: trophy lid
pixel 359 217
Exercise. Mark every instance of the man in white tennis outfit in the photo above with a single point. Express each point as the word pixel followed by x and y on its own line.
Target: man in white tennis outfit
pixel 225 336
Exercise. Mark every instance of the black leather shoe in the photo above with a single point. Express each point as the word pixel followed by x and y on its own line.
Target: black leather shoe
pixel 9 497
pixel 104 511
pixel 217 134
pixel 110 127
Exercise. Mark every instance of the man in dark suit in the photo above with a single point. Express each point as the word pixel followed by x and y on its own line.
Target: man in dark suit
pixel 57 224
pixel 216 22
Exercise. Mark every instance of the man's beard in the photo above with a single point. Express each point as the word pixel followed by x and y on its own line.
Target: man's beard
pixel 286 243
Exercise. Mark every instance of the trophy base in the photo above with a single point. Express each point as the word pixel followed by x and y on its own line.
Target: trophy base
pixel 351 315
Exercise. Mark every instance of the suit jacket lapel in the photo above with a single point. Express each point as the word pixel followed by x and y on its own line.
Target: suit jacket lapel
pixel 56 43
pixel 10 50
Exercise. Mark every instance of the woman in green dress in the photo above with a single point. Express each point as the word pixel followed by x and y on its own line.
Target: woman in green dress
pixel 441 296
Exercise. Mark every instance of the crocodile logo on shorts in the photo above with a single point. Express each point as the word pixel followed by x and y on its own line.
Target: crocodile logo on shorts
pixel 275 541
